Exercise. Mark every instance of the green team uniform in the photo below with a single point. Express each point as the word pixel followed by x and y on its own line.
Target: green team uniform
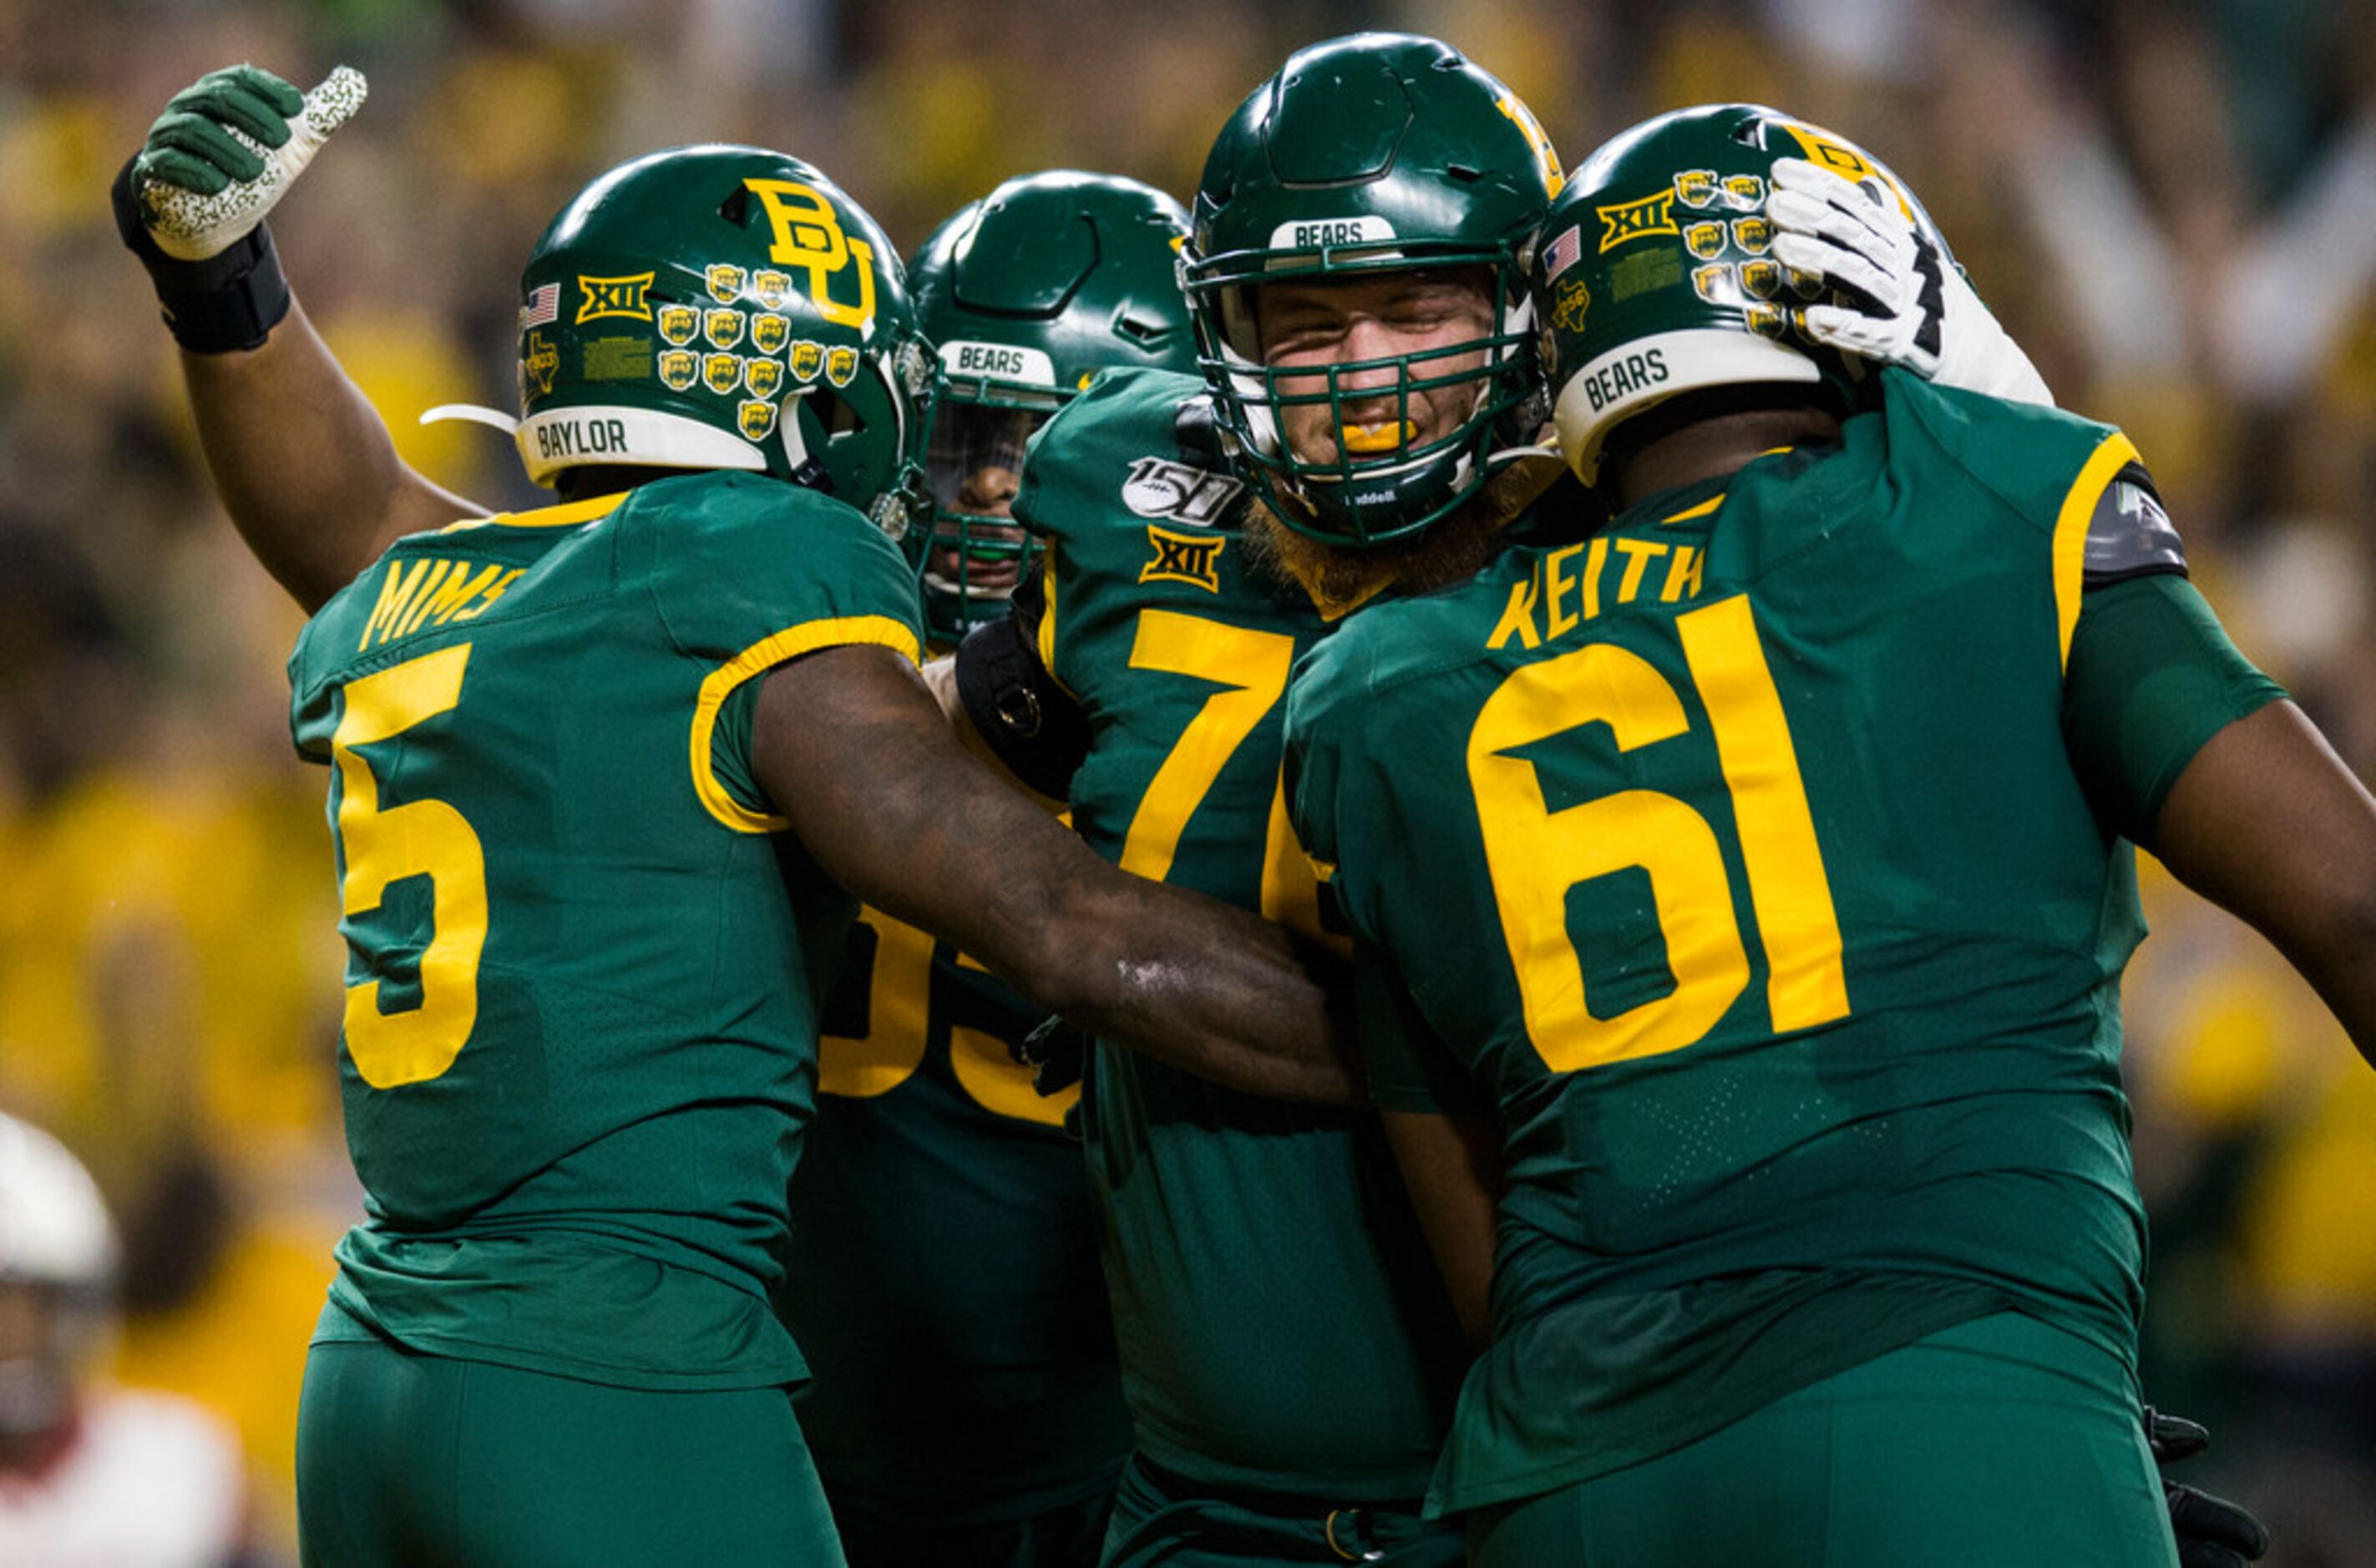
pixel 1734 856
pixel 584 963
pixel 943 1278
pixel 1285 1343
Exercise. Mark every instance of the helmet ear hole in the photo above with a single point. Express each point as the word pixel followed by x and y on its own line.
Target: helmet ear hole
pixel 838 416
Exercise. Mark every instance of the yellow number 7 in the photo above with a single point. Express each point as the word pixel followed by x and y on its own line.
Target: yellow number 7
pixel 1250 667
pixel 420 838
pixel 1535 855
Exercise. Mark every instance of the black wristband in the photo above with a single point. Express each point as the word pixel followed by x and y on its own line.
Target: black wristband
pixel 224 305
pixel 1030 722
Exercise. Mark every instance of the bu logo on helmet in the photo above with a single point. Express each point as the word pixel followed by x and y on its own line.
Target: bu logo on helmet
pixel 809 236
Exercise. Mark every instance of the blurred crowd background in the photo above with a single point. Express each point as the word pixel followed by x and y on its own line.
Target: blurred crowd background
pixel 2171 203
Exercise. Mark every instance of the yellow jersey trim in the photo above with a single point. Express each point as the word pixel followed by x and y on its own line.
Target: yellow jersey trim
pixel 1046 638
pixel 1048 610
pixel 1688 513
pixel 565 516
pixel 1335 610
pixel 758 660
pixel 2116 453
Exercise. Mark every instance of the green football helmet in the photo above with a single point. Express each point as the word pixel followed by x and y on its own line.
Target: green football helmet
pixel 725 307
pixel 1027 294
pixel 1363 155
pixel 1655 276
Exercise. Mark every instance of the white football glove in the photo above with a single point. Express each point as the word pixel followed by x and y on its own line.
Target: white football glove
pixel 1912 306
pixel 226 150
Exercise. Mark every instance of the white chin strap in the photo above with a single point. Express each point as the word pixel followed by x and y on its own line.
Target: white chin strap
pixel 471 413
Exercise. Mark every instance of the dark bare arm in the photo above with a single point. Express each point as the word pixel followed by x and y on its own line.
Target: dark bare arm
pixel 301 459
pixel 304 462
pixel 853 751
pixel 2267 823
pixel 1451 1164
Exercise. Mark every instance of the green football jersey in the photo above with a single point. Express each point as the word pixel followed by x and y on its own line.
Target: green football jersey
pixel 943 1279
pixel 583 968
pixel 1733 851
pixel 1280 1325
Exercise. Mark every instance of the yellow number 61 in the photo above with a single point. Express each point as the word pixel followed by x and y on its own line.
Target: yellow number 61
pixel 1535 855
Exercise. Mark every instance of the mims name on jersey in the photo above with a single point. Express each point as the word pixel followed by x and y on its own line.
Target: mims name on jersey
pixel 1560 594
pixel 431 591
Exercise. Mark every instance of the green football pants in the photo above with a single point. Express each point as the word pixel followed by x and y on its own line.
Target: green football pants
pixel 407 1460
pixel 1161 1520
pixel 1997 1443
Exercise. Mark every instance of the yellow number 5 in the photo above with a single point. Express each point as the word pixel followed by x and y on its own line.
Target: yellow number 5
pixel 1535 855
pixel 420 838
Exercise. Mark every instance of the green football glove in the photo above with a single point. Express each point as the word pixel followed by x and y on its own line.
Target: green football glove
pixel 226 150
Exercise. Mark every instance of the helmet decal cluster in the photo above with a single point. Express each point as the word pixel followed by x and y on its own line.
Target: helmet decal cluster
pixel 740 346
pixel 1733 269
